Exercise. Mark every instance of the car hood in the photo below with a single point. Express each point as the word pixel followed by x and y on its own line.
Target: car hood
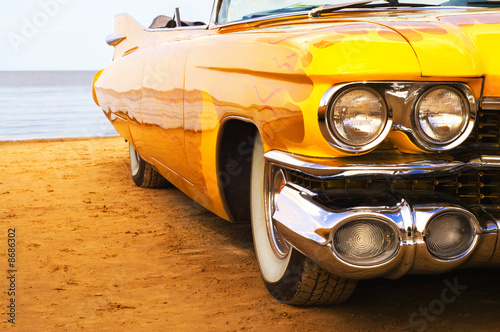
pixel 453 42
pixel 447 41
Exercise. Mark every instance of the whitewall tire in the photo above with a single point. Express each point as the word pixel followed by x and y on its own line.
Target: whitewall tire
pixel 288 275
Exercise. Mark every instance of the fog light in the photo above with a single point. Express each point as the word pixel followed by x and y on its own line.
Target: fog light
pixel 365 242
pixel 449 235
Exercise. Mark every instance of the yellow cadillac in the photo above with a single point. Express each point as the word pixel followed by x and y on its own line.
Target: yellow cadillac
pixel 361 139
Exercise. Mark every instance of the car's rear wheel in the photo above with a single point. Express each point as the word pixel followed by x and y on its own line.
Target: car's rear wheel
pixel 143 174
pixel 288 275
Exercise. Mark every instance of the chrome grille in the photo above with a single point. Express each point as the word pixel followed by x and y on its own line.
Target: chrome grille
pixel 468 188
pixel 474 187
pixel 487 129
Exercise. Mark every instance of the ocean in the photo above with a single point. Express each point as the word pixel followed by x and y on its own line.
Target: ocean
pixel 50 105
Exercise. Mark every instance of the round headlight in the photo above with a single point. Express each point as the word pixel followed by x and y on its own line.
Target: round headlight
pixel 357 116
pixel 441 115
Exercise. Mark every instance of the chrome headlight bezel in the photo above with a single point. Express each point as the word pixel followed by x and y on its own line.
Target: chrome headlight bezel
pixel 401 99
pixel 327 125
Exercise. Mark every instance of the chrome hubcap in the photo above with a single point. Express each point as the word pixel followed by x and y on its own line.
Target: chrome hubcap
pixel 134 160
pixel 280 246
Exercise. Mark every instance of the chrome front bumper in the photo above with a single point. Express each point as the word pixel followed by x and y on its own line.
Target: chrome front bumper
pixel 306 222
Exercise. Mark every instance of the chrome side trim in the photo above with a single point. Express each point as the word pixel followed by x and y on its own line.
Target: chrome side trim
pixel 114 39
pixel 215 12
pixel 214 24
pixel 316 12
pixel 490 103
pixel 341 167
pixel 195 27
pixel 178 22
pixel 178 176
pixel 490 161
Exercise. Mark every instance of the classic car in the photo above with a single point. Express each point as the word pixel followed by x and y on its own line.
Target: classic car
pixel 360 139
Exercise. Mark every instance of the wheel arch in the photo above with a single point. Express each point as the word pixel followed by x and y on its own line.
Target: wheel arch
pixel 234 162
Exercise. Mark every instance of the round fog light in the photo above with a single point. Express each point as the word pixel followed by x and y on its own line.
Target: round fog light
pixel 365 242
pixel 449 235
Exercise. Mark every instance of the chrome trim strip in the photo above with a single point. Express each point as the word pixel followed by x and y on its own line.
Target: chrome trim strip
pixel 490 103
pixel 195 27
pixel 339 167
pixel 214 24
pixel 178 22
pixel 114 39
pixel 181 28
pixel 490 161
pixel 156 161
pixel 316 12
pixel 114 117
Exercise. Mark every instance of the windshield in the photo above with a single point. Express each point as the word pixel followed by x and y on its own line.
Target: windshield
pixel 237 10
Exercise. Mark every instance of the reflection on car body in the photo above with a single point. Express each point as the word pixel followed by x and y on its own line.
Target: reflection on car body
pixel 362 140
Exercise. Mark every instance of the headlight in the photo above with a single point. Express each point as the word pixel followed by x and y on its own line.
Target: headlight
pixel 357 118
pixel 435 116
pixel 441 115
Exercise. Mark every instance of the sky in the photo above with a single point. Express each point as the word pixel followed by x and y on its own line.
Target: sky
pixel 70 34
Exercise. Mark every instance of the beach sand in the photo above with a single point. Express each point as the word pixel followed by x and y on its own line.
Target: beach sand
pixel 94 251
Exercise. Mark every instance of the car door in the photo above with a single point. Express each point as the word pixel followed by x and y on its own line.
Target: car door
pixel 162 109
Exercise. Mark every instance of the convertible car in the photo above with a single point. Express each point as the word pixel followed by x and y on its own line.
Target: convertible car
pixel 360 139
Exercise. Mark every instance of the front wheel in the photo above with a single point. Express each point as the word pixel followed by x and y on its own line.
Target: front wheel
pixel 288 275
pixel 143 174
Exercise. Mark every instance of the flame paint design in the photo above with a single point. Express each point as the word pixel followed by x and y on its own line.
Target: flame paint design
pixel 266 99
pixel 285 64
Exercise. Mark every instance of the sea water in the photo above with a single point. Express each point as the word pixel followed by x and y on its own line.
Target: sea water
pixel 49 105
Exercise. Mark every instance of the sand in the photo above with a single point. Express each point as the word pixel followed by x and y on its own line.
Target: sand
pixel 93 251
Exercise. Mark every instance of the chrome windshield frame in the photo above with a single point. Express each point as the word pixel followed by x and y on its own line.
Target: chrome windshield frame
pixel 214 23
